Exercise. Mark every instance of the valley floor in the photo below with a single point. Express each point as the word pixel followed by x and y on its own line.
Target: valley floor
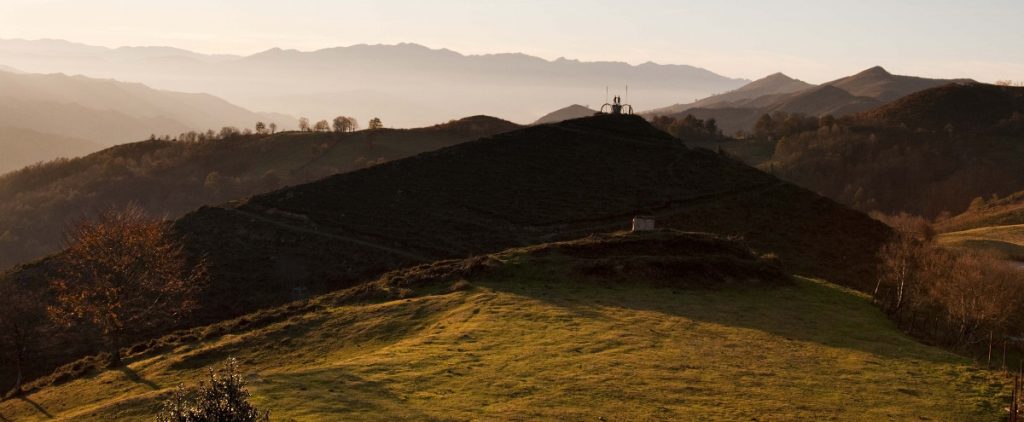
pixel 537 344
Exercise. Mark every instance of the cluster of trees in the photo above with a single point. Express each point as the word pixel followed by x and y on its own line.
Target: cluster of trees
pixel 688 127
pixel 961 299
pixel 120 275
pixel 340 124
pixel 780 124
pixel 894 169
pixel 265 129
pixel 226 132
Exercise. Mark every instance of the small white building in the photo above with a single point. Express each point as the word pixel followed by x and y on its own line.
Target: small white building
pixel 643 224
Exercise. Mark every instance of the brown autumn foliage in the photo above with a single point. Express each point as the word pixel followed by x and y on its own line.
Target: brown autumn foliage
pixel 960 299
pixel 123 273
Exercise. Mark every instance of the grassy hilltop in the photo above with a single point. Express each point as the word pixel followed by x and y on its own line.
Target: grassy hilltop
pixel 666 326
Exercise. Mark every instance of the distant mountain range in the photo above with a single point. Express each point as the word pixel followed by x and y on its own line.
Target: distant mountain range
pixel 406 85
pixel 738 110
pixel 43 117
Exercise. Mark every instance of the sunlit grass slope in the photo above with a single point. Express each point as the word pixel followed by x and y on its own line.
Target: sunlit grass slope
pixel 1007 241
pixel 552 336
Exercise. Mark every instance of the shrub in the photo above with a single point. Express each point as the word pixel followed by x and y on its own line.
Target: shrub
pixel 221 398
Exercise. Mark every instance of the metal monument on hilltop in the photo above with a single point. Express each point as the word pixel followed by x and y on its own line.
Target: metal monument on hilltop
pixel 616 106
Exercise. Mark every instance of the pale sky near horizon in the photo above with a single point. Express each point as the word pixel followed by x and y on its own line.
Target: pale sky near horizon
pixel 811 40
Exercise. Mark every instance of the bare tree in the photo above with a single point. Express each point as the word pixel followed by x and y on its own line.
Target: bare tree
pixel 304 124
pixel 273 128
pixel 322 126
pixel 123 273
pixel 345 124
pixel 955 297
pixel 229 132
pixel 21 316
pixel 261 128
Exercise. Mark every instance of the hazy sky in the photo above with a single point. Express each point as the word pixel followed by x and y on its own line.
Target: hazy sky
pixel 812 40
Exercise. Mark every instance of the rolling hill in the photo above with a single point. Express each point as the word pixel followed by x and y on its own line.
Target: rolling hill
pixel 994 225
pixel 110 112
pixel 1005 211
pixel 969 108
pixel 928 153
pixel 21 147
pixel 406 85
pixel 171 178
pixel 574 111
pixel 762 89
pixel 739 110
pixel 661 326
pixel 528 186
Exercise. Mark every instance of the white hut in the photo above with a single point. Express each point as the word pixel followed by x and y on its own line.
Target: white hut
pixel 643 224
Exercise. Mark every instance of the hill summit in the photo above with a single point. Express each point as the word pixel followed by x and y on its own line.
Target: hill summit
pixel 522 187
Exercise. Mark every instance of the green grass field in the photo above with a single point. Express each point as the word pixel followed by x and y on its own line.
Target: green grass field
pixel 1007 241
pixel 538 341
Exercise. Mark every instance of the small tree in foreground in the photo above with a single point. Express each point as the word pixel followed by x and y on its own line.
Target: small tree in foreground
pixel 123 273
pixel 21 315
pixel 221 398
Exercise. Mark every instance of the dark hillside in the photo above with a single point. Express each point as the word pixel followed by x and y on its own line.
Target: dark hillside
pixel 173 177
pixel 963 107
pixel 535 185
pixel 928 153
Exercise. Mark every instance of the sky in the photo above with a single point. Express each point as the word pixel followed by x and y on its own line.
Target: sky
pixel 815 41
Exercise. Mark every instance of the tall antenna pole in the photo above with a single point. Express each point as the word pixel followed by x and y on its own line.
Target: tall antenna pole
pixel 627 93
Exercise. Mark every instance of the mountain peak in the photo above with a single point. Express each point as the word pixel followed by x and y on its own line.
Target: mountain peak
pixel 875 71
pixel 778 76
